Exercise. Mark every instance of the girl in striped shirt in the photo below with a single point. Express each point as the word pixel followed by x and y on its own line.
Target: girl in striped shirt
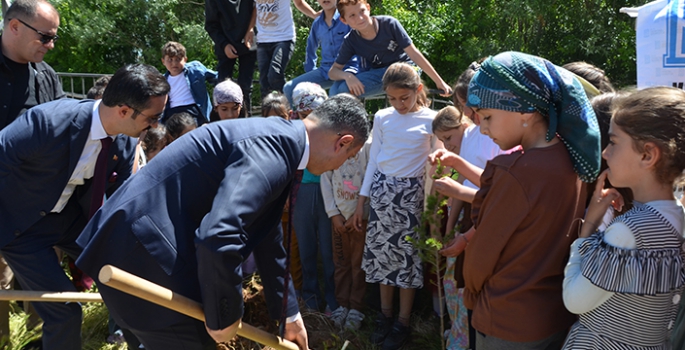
pixel 625 282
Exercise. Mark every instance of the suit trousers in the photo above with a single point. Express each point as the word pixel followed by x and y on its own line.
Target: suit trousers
pixel 188 334
pixel 350 279
pixel 31 255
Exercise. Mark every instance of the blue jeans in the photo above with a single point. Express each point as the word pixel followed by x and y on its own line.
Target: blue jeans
pixel 272 59
pixel 316 75
pixel 371 79
pixel 313 229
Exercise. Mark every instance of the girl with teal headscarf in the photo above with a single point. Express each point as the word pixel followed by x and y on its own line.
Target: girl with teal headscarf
pixel 528 200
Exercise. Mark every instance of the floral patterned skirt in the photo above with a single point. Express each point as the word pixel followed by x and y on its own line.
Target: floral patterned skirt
pixel 396 205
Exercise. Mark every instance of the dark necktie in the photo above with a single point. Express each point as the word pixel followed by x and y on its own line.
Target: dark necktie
pixel 99 178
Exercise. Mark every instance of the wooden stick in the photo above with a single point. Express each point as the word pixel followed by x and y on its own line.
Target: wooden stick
pixel 31 295
pixel 119 279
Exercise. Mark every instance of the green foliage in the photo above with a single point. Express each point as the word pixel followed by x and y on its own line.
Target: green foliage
pixel 99 36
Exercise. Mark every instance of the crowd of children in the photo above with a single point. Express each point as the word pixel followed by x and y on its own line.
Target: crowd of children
pixel 568 233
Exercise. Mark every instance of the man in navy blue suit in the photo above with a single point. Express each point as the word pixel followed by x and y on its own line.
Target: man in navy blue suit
pixel 47 166
pixel 188 219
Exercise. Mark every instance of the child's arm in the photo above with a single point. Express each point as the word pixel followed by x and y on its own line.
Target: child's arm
pixel 310 57
pixel 353 84
pixel 249 36
pixel 304 7
pixel 447 158
pixel 358 217
pixel 426 66
pixel 453 189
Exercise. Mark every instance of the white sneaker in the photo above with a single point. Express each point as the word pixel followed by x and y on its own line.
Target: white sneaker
pixel 354 320
pixel 338 316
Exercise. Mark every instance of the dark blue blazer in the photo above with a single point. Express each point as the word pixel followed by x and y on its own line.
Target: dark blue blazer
pixel 188 219
pixel 38 154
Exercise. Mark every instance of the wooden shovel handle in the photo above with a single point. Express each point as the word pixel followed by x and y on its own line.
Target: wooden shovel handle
pixel 119 279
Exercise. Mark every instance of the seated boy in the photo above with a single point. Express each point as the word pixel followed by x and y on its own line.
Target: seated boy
pixel 327 32
pixel 188 89
pixel 378 41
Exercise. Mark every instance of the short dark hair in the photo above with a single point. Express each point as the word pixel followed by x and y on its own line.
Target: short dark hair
pixel 342 3
pixel 344 114
pixel 593 74
pixel 275 104
pixel 173 49
pixel 133 85
pixel 179 122
pixel 24 9
pixel 98 88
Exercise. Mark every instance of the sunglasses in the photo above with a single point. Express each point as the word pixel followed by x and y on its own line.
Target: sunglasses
pixel 44 38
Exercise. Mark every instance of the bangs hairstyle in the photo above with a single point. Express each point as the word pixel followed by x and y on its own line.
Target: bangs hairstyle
pixel 401 75
pixel 449 118
pixel 342 3
pixel 656 115
pixel 173 49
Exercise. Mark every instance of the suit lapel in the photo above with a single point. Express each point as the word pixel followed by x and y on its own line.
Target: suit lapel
pixel 79 130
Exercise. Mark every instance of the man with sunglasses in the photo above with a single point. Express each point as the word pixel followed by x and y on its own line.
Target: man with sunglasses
pixel 57 161
pixel 30 30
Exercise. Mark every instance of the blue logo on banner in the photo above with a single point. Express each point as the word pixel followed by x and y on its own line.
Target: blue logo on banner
pixel 675 35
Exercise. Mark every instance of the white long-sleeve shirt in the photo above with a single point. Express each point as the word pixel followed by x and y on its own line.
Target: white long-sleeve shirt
pixel 580 295
pixel 401 144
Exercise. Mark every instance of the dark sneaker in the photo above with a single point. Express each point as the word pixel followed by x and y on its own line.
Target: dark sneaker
pixel 397 337
pixel 383 327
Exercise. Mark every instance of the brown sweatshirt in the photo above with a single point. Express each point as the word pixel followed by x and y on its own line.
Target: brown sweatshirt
pixel 514 265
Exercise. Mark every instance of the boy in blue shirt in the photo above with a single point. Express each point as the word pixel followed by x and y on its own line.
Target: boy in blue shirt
pixel 187 80
pixel 378 42
pixel 327 32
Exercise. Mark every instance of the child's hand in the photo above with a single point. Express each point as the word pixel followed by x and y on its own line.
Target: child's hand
pixel 455 247
pixel 446 89
pixel 448 187
pixel 249 39
pixel 601 199
pixel 230 51
pixel 349 225
pixel 446 158
pixel 338 222
pixel 357 218
pixel 354 85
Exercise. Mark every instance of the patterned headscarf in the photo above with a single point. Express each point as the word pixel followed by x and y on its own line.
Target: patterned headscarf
pixel 518 82
pixel 307 96
pixel 227 91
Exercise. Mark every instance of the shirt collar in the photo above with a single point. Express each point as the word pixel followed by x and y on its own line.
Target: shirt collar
pixel 97 131
pixel 305 155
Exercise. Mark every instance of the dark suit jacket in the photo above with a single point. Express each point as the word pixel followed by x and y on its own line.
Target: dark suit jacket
pixel 188 219
pixel 38 154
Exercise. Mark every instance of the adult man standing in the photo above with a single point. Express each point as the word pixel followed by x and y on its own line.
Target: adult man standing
pixel 56 163
pixel 192 236
pixel 30 30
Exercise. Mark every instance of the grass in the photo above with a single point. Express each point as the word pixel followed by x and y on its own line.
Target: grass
pixel 322 334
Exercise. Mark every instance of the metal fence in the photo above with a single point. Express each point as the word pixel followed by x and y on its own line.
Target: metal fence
pixel 76 85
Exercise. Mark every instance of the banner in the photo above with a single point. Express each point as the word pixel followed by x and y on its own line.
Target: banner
pixel 660 40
